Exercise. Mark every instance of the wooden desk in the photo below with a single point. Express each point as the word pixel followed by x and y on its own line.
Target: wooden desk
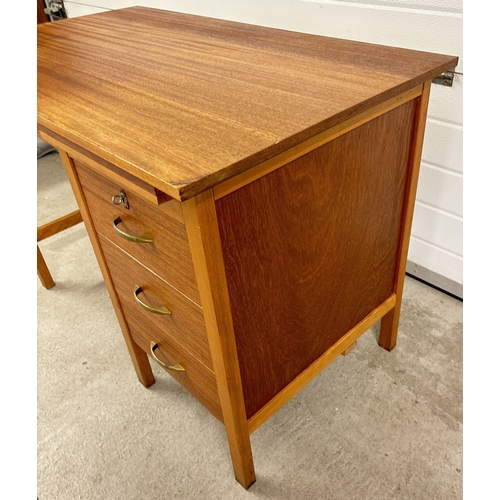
pixel 248 193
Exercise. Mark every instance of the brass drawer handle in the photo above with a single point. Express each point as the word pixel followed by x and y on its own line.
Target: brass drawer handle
pixel 143 238
pixel 175 368
pixel 154 310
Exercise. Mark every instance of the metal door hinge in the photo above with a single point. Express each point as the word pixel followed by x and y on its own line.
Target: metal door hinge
pixel 445 78
pixel 55 9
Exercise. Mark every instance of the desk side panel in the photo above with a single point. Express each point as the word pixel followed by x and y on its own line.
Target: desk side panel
pixel 311 249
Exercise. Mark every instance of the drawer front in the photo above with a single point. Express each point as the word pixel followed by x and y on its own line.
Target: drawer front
pixel 184 325
pixel 196 379
pixel 168 254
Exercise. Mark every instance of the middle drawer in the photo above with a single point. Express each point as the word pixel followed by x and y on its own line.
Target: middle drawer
pixel 150 300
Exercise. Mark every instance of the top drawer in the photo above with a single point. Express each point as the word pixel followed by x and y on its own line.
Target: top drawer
pixel 167 254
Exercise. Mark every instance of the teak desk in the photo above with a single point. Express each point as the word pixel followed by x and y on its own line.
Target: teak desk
pixel 248 193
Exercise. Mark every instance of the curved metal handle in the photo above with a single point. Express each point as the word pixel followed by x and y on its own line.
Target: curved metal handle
pixel 154 310
pixel 143 238
pixel 175 368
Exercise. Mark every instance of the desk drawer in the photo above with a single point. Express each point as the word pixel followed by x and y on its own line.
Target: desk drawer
pixel 196 379
pixel 185 323
pixel 168 254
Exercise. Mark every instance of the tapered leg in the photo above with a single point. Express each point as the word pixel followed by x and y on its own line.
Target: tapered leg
pixel 140 361
pixel 390 322
pixel 139 358
pixel 201 224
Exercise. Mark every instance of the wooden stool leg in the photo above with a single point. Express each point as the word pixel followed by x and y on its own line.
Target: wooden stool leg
pixel 43 270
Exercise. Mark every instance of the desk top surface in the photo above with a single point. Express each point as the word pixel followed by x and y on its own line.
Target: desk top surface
pixel 185 102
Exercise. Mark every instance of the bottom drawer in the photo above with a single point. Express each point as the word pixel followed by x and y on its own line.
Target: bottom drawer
pixel 197 378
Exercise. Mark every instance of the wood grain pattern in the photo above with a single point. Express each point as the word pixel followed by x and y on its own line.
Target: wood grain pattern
pixel 168 256
pixel 139 357
pixel 185 325
pixel 201 224
pixel 286 157
pixel 293 161
pixel 320 364
pixel 210 98
pixel 311 248
pixel 105 168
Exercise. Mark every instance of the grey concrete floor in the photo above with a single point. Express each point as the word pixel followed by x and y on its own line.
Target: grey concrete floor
pixel 373 425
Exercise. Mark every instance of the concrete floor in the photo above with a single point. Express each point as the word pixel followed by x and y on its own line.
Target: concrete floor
pixel 373 425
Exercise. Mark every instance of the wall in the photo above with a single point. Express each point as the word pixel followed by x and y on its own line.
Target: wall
pixel 436 247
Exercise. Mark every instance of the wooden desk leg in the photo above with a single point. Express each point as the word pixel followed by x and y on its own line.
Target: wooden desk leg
pixel 203 233
pixel 43 270
pixel 390 322
pixel 389 330
pixel 139 358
